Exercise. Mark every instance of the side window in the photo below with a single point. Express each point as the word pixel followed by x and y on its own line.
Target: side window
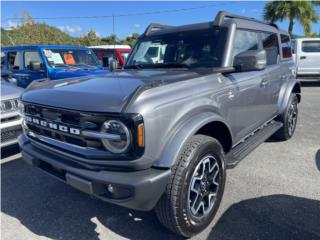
pixel 311 46
pixel 271 45
pixel 31 57
pixel 286 46
pixel 13 60
pixel 244 41
pixel 3 60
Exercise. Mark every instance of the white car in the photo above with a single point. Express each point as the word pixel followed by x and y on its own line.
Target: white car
pixel 307 57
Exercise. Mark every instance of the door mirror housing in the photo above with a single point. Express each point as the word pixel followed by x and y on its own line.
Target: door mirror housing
pixel 36 66
pixel 250 60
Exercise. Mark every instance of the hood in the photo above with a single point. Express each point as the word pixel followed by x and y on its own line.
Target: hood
pixel 101 93
pixel 76 72
pixel 9 91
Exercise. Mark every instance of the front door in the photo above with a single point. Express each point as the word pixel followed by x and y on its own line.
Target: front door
pixel 251 103
pixel 31 57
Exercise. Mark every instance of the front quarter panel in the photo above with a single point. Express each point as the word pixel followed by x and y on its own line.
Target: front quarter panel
pixel 173 113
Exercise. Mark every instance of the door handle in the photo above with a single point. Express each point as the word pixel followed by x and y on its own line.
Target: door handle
pixel 230 95
pixel 264 82
pixel 303 57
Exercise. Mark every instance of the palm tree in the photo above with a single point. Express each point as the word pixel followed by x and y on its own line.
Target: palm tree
pixel 302 11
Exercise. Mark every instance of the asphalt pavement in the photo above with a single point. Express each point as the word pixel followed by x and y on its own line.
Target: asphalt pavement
pixel 274 193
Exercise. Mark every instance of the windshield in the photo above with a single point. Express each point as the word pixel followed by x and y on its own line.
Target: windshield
pixel 67 57
pixel 124 55
pixel 197 48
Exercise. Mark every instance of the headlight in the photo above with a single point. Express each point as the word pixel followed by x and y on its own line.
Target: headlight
pixel 20 108
pixel 115 127
pixel 9 105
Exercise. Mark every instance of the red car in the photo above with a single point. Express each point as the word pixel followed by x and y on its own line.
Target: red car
pixel 105 53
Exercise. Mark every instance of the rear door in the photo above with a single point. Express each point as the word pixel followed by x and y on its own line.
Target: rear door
pixel 308 59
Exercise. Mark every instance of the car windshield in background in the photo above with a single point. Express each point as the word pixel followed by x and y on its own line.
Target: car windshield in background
pixel 311 46
pixel 197 48
pixel 65 57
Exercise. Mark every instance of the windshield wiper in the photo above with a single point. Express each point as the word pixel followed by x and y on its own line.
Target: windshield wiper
pixel 171 65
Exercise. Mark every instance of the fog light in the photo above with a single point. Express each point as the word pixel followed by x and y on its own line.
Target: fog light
pixel 110 188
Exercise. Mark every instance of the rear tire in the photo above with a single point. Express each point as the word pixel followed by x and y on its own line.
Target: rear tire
pixel 289 119
pixel 195 188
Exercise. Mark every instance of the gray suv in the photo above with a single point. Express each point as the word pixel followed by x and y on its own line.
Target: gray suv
pixel 191 102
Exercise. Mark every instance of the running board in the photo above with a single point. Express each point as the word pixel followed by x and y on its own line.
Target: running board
pixel 241 150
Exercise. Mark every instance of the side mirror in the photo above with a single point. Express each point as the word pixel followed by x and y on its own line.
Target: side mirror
pixel 250 60
pixel 113 64
pixel 36 66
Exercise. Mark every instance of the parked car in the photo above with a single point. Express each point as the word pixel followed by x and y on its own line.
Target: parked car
pixel 162 132
pixel 106 53
pixel 30 63
pixel 10 118
pixel 307 57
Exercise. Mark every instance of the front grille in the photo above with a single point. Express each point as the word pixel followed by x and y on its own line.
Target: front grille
pixel 68 118
pixel 10 133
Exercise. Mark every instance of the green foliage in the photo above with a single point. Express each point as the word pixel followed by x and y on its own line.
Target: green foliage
pixel 32 33
pixel 302 11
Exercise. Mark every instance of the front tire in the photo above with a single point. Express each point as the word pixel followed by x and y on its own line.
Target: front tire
pixel 289 119
pixel 195 188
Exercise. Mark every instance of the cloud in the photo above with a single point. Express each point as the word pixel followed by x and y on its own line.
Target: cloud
pixel 136 25
pixel 98 34
pixel 12 25
pixel 70 29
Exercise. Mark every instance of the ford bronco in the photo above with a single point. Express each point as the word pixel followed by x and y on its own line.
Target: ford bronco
pixel 161 133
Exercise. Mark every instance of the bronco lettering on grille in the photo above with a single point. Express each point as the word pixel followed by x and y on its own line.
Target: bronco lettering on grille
pixel 52 125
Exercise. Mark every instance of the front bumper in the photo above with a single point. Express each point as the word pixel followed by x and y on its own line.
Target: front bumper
pixel 139 190
pixel 10 131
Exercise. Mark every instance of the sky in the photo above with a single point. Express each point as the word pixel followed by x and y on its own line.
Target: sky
pixel 126 25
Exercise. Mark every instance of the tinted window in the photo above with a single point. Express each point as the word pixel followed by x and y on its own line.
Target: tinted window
pixel 311 46
pixel 244 41
pixel 271 45
pixel 30 57
pixel 286 46
pixel 13 60
pixel 196 48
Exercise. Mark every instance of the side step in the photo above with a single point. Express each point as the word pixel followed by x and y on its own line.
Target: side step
pixel 241 150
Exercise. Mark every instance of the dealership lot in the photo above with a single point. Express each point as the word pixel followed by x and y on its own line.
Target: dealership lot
pixel 273 194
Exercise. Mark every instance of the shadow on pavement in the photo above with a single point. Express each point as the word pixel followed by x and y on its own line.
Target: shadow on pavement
pixel 50 208
pixel 318 159
pixel 54 210
pixel 274 217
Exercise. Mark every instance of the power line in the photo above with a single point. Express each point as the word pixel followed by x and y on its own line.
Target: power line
pixel 131 14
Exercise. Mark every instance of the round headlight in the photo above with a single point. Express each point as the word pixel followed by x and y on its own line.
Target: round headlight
pixel 115 127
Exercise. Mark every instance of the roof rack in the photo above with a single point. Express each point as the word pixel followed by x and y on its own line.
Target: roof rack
pixel 153 27
pixel 222 14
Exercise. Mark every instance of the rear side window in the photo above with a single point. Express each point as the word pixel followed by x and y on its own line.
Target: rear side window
pixel 30 57
pixel 311 46
pixel 271 45
pixel 286 46
pixel 14 60
pixel 244 41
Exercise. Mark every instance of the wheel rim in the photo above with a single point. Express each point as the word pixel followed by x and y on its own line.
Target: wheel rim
pixel 292 118
pixel 204 186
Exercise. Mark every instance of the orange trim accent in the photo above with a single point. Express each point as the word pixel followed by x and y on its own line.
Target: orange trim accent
pixel 141 135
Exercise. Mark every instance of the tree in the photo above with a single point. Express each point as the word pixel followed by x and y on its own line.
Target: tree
pixel 111 39
pixel 90 39
pixel 131 39
pixel 302 11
